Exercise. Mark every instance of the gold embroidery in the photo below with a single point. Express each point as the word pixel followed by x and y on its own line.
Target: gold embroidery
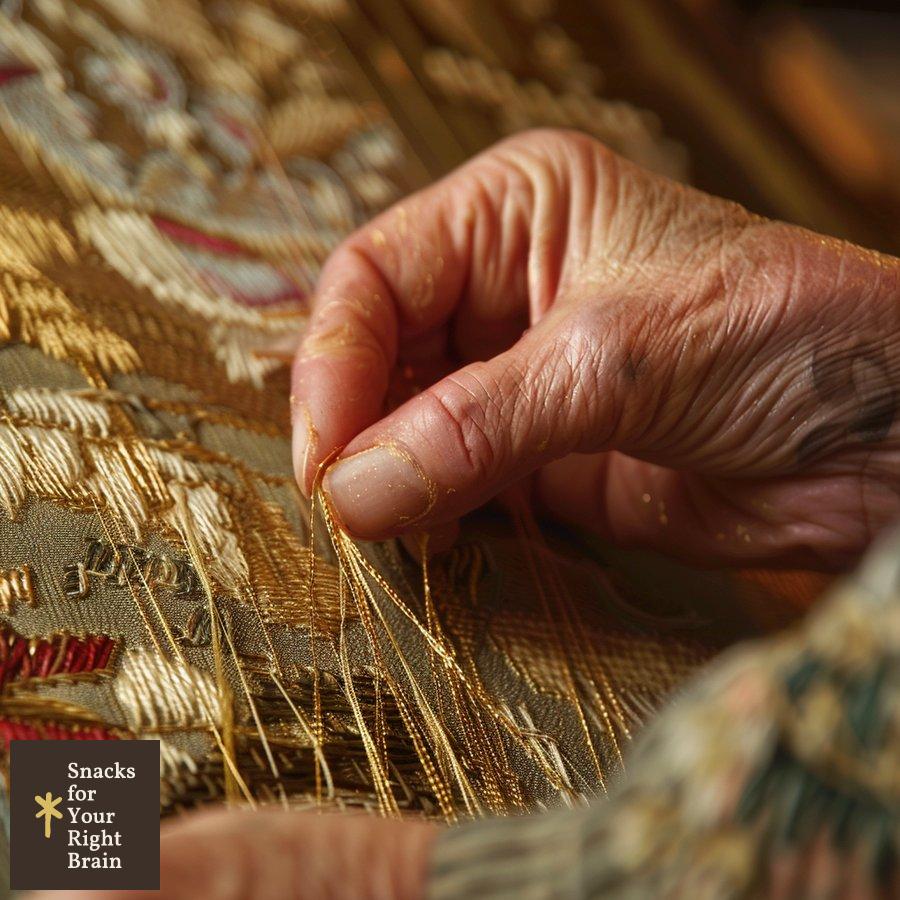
pixel 41 315
pixel 39 717
pixel 60 656
pixel 16 586
pixel 29 241
pixel 180 229
pixel 121 564
pixel 158 695
pixel 75 581
pixel 518 105
pixel 197 631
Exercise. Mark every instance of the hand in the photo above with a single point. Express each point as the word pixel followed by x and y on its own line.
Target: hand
pixel 275 855
pixel 685 375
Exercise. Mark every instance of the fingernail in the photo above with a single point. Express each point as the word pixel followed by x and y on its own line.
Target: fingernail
pixel 378 491
pixel 303 446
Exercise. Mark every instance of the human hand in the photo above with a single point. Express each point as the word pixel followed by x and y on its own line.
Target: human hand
pixel 683 375
pixel 275 855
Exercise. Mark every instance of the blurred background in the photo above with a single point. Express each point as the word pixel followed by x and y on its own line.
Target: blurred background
pixel 791 108
pixel 830 75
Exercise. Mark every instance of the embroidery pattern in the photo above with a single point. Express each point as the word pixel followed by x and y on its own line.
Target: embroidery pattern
pixel 42 718
pixel 167 196
pixel 62 657
pixel 16 587
pixel 158 695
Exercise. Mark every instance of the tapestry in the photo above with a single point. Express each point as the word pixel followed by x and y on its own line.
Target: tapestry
pixel 172 176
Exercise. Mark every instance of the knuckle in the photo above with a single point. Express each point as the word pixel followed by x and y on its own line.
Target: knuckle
pixel 345 333
pixel 461 406
pixel 348 256
pixel 368 255
pixel 577 360
pixel 350 314
pixel 607 372
pixel 529 139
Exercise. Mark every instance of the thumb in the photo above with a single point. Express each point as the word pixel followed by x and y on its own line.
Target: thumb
pixel 464 439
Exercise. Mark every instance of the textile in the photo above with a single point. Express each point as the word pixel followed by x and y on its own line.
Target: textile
pixel 172 175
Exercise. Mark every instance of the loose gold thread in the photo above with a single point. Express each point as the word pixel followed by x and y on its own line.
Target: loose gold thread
pixel 254 495
pixel 380 724
pixel 482 695
pixel 226 738
pixel 473 600
pixel 225 695
pixel 430 621
pixel 313 624
pixel 253 710
pixel 278 560
pixel 576 637
pixel 431 725
pixel 137 602
pixel 435 780
pixel 143 487
pixel 380 780
pixel 227 756
pixel 513 788
pixel 359 588
pixel 500 792
pixel 594 663
pixel 570 680
pixel 304 724
pixel 362 591
pixel 350 548
pixel 347 573
pixel 472 727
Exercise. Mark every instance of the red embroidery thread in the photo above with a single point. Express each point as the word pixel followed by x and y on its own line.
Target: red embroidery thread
pixel 23 658
pixel 14 730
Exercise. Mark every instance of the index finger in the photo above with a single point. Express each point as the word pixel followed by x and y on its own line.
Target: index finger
pixel 465 241
pixel 401 274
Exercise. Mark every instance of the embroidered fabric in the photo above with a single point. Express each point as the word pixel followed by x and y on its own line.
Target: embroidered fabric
pixel 167 195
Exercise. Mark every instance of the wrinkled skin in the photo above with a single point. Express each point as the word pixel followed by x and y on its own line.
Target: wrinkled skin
pixel 682 374
pixel 625 337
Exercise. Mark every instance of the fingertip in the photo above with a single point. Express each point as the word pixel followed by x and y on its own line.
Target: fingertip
pixel 304 447
pixel 336 396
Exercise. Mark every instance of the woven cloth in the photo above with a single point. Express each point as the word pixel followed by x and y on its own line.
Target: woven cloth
pixel 171 178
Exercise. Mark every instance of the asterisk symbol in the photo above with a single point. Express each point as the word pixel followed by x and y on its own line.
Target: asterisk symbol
pixel 47 804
